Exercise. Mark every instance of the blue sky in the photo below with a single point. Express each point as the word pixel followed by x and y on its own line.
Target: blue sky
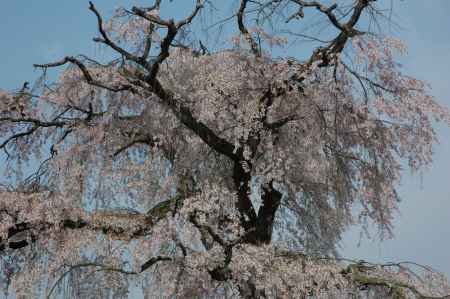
pixel 38 31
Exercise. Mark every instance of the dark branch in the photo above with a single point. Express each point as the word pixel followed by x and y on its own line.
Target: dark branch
pixel 106 40
pixel 151 141
pixel 281 122
pixel 36 125
pixel 87 75
pixel 153 261
pixel 240 19
pixel 328 11
pixel 185 116
pixel 347 30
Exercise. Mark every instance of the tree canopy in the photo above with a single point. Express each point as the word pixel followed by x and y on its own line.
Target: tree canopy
pixel 199 160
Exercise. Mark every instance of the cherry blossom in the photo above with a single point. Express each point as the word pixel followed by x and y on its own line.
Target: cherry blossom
pixel 222 173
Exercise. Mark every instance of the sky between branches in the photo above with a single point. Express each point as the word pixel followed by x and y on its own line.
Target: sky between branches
pixel 41 31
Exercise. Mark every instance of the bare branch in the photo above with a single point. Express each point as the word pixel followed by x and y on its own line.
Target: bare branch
pixel 347 30
pixel 322 8
pixel 198 6
pixel 172 30
pixel 164 53
pixel 87 75
pixel 36 125
pixel 106 40
pixel 146 14
pixel 240 19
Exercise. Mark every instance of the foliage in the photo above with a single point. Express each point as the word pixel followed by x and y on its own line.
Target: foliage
pixel 250 166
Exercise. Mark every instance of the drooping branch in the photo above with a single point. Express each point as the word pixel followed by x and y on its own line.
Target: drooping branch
pixel 36 124
pixel 106 268
pixel 17 136
pixel 99 267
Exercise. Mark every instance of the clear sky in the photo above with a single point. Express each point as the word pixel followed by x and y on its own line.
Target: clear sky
pixel 38 31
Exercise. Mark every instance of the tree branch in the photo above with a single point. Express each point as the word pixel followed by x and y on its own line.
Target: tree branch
pixel 153 261
pixel 106 40
pixel 151 141
pixel 240 19
pixel 87 75
pixel 36 125
pixel 186 117
pixel 347 30
pixel 108 223
pixel 328 11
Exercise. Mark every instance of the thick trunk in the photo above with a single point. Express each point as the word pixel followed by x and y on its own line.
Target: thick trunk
pixel 258 226
pixel 266 215
pixel 242 180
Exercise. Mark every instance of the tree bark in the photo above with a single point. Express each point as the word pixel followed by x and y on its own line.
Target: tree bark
pixel 242 180
pixel 258 226
pixel 271 200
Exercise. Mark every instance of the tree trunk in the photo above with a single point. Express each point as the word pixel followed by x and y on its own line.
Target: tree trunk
pixel 271 200
pixel 258 226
